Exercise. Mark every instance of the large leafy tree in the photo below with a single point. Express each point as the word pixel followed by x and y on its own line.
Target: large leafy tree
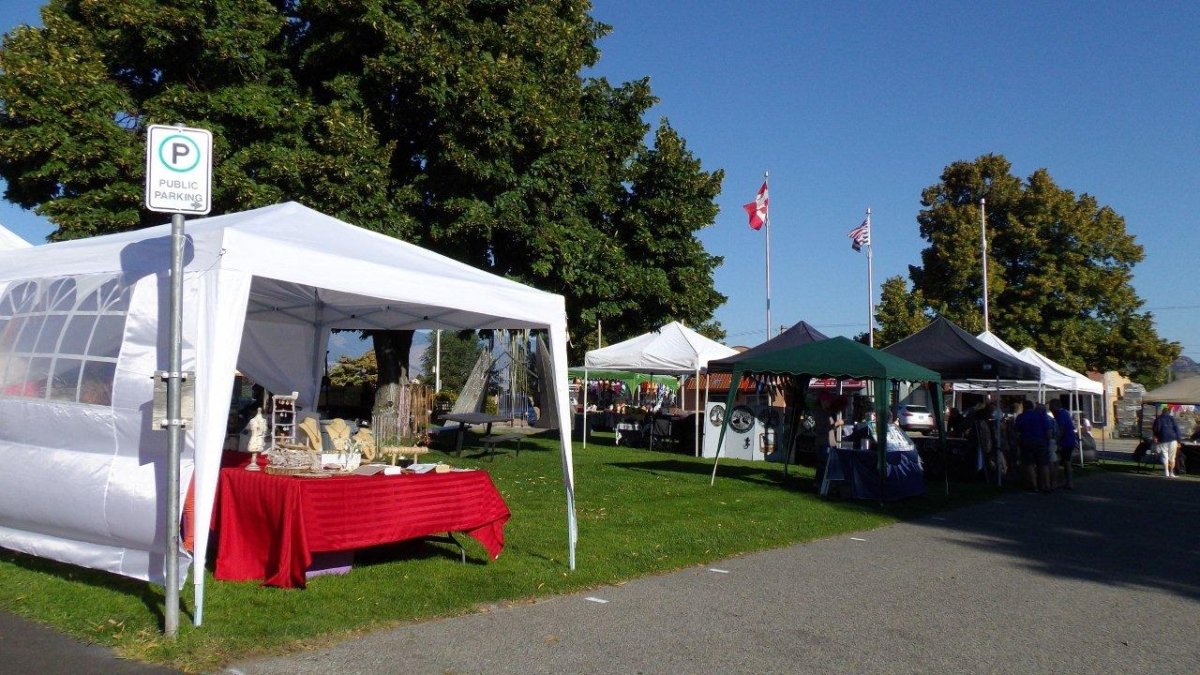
pixel 461 125
pixel 900 313
pixel 1059 269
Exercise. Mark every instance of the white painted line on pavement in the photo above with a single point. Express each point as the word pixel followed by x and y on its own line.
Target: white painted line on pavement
pixel 936 518
pixel 856 539
pixel 713 569
pixel 594 599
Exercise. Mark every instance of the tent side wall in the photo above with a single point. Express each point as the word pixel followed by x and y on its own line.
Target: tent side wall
pixel 85 475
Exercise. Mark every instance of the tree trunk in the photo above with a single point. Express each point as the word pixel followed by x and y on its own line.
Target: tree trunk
pixel 391 353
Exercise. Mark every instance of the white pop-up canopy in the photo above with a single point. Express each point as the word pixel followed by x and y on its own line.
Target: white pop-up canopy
pixel 9 240
pixel 1064 378
pixel 673 349
pixel 83 329
pixel 670 350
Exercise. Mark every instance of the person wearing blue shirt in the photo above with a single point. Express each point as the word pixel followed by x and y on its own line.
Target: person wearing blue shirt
pixel 1033 432
pixel 1068 439
pixel 1166 436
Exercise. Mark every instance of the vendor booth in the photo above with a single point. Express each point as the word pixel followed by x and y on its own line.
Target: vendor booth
pixel 757 425
pixel 895 475
pixel 673 349
pixel 960 357
pixel 83 328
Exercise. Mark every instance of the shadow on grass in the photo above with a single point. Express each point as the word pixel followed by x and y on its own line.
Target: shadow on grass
pixel 412 549
pixel 768 474
pixel 150 595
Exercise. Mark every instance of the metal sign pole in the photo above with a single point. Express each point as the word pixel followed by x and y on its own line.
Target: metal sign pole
pixel 174 426
pixel 178 181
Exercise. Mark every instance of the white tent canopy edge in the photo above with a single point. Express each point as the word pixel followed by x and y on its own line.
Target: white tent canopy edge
pixel 262 289
pixel 673 349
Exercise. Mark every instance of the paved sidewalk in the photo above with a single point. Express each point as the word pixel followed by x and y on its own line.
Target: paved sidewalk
pixel 1103 579
pixel 28 647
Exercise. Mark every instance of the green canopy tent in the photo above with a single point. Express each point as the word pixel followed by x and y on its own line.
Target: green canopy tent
pixel 839 358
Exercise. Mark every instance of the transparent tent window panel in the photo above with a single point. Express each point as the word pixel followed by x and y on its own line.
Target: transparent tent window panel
pixel 77 334
pixel 31 328
pixel 96 385
pixel 60 338
pixel 52 329
pixel 106 339
pixel 64 385
pixel 8 334
pixel 37 377
pixel 14 375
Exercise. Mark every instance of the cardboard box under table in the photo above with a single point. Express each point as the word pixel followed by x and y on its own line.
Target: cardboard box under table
pixel 271 528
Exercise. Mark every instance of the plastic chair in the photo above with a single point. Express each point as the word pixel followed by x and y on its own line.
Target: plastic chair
pixel 660 434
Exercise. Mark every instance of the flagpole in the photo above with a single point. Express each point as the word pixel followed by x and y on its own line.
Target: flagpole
pixel 870 286
pixel 983 249
pixel 768 255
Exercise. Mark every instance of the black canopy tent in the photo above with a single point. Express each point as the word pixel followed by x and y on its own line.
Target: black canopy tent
pixel 839 358
pixel 955 354
pixel 800 334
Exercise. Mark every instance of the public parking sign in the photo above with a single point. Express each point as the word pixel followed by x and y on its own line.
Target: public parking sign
pixel 178 170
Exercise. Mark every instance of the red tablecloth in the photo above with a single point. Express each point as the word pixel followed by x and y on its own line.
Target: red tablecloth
pixel 269 526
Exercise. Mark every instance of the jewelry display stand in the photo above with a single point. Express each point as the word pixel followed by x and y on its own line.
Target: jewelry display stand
pixel 283 419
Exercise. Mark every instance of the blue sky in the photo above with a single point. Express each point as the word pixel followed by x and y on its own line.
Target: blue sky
pixel 856 105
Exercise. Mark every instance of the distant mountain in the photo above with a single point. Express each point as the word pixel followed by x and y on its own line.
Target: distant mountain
pixel 1185 366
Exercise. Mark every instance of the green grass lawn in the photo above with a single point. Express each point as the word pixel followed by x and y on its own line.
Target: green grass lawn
pixel 640 513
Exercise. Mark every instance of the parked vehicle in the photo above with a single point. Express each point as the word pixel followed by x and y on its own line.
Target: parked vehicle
pixel 915 418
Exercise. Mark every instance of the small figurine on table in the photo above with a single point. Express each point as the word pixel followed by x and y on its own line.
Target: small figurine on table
pixel 257 427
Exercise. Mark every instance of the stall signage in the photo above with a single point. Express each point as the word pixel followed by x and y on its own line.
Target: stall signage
pixel 831 383
pixel 178 170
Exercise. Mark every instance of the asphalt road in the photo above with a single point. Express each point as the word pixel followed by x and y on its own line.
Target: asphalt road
pixel 1104 579
pixel 28 647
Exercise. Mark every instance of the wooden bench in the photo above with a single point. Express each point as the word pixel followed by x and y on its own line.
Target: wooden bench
pixel 491 441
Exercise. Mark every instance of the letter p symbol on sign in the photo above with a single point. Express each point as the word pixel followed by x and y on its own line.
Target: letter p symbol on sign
pixel 179 151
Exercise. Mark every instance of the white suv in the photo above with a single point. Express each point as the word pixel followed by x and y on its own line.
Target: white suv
pixel 915 418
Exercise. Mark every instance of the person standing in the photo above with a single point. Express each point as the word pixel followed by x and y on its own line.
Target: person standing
pixel 1033 432
pixel 1068 439
pixel 1166 439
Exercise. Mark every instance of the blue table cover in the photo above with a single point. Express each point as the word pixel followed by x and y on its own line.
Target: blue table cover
pixel 905 473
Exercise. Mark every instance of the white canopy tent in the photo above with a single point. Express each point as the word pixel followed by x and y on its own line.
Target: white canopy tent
pixel 673 349
pixel 1064 378
pixel 1048 379
pixel 83 328
pixel 9 240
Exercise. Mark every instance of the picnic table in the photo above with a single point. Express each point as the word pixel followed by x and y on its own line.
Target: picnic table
pixel 464 419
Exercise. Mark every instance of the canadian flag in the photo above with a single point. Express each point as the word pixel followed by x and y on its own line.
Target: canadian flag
pixel 758 208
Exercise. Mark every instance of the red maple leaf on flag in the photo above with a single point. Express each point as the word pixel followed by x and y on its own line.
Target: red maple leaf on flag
pixel 757 209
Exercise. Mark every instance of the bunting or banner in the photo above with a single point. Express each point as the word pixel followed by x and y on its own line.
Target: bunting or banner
pixel 860 236
pixel 757 209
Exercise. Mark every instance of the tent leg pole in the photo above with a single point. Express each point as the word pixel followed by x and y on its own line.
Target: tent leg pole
pixel 696 431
